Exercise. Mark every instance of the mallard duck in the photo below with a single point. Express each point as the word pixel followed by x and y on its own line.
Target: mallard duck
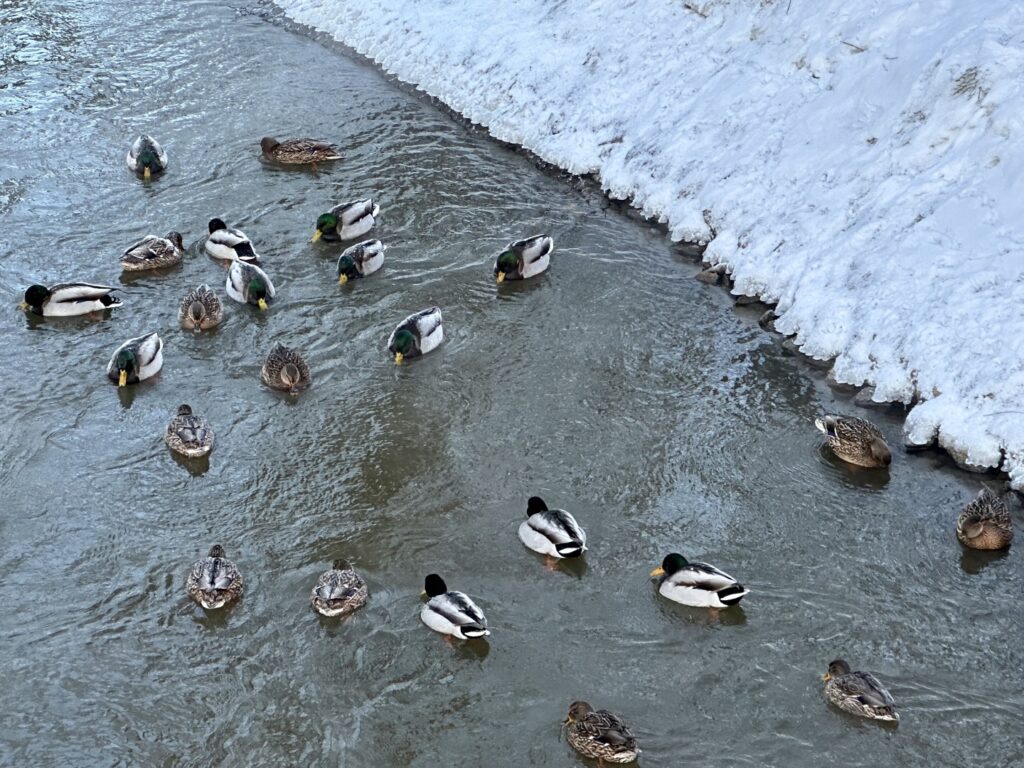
pixel 416 335
pixel 858 693
pixel 985 523
pixel 346 221
pixel 339 591
pixel 69 299
pixel 552 532
pixel 228 244
pixel 146 157
pixel 524 259
pixel 188 434
pixel 136 360
pixel 855 440
pixel 214 581
pixel 451 613
pixel 152 252
pixel 200 310
pixel 361 260
pixel 697 584
pixel 248 284
pixel 298 151
pixel 285 369
pixel 600 734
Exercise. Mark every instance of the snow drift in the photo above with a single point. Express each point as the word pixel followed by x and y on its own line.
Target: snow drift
pixel 860 164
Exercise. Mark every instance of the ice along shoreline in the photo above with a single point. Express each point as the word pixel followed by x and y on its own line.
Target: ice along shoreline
pixel 885 137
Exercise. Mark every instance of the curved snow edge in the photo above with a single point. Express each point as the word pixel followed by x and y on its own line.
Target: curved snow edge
pixel 894 156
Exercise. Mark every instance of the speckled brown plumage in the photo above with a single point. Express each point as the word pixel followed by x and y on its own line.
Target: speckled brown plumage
pixel 600 734
pixel 858 693
pixel 298 151
pixel 855 440
pixel 985 523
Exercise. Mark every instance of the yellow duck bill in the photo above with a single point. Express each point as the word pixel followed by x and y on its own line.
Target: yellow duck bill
pixel 122 379
pixel 399 357
pixel 146 173
pixel 316 236
pixel 262 304
pixel 659 571
pixel 342 279
pixel 501 277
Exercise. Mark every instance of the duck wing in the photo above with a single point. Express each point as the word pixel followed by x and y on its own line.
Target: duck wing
pixel 426 322
pixel 701 576
pixel 608 728
pixel 558 526
pixel 73 293
pixel 458 609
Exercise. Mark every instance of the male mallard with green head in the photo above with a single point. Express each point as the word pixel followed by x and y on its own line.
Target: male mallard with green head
pixel 248 284
pixel 697 584
pixel 417 335
pixel 552 532
pixel 69 299
pixel 360 260
pixel 450 612
pixel 136 360
pixel 346 221
pixel 146 157
pixel 524 259
pixel 855 440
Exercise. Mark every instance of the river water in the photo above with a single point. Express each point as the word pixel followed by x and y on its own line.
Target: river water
pixel 615 386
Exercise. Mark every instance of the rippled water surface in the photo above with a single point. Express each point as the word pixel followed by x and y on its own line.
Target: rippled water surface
pixel 615 386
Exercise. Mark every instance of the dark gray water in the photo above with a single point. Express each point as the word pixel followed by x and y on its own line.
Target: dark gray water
pixel 615 386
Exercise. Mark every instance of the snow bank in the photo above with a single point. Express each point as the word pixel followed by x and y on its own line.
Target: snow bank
pixel 859 163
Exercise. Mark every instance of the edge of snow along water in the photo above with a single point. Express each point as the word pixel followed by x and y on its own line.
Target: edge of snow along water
pixel 863 163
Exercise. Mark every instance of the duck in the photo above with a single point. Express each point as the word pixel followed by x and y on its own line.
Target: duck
pixel 600 734
pixel 985 523
pixel 552 532
pixel 214 581
pixel 188 434
pixel 698 585
pixel 147 157
pixel 417 335
pixel 228 244
pixel 360 260
pixel 136 360
pixel 855 440
pixel 69 299
pixel 284 369
pixel 523 259
pixel 858 693
pixel 298 151
pixel 451 613
pixel 200 310
pixel 152 252
pixel 248 284
pixel 339 591
pixel 346 221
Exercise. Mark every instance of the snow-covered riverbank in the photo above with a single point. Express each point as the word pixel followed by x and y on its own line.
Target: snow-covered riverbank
pixel 860 164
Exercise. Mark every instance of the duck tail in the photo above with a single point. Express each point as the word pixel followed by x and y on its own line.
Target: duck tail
pixel 731 595
pixel 570 548
pixel 475 630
